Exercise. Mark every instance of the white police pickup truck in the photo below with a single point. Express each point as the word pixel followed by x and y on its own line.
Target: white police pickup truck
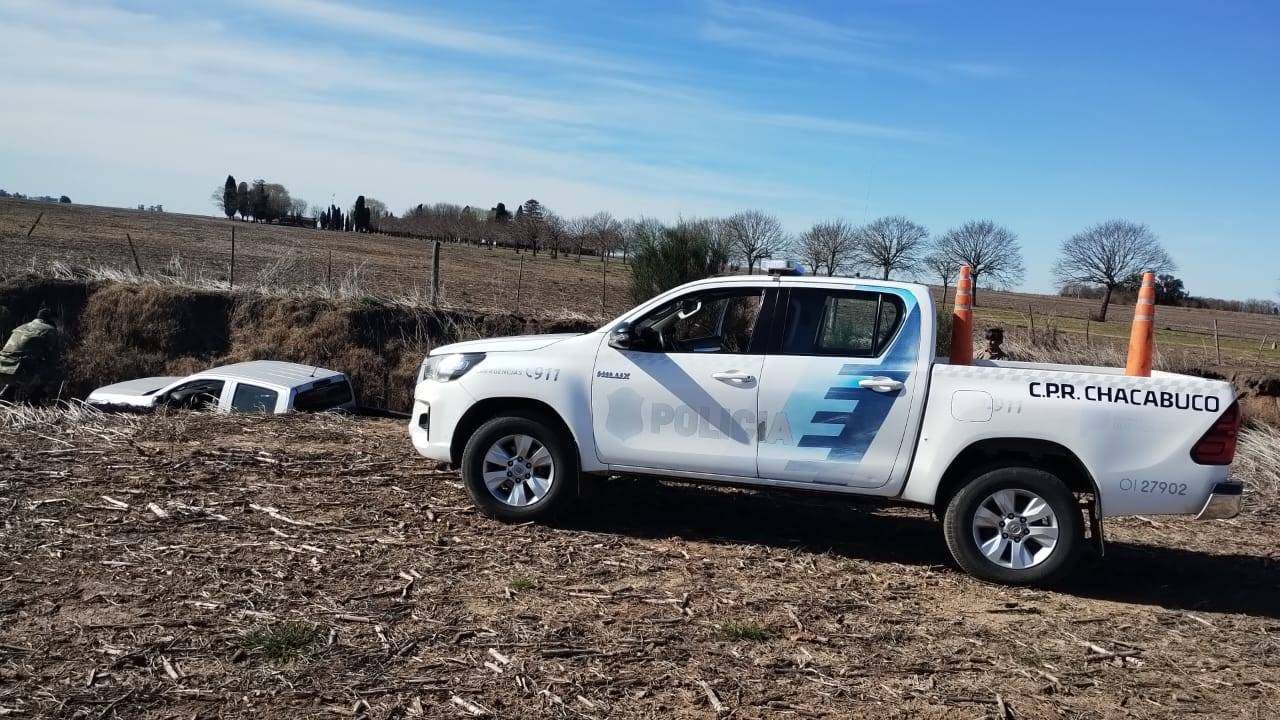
pixel 831 385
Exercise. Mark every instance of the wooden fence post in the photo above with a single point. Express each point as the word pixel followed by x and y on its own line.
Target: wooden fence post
pixel 435 275
pixel 232 278
pixel 1031 321
pixel 134 250
pixel 519 283
pixel 34 224
pixel 1217 348
pixel 604 287
pixel 1086 333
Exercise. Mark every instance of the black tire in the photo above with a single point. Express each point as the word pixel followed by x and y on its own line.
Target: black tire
pixel 565 463
pixel 958 527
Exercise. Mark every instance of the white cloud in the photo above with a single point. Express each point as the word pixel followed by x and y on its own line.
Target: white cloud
pixel 773 32
pixel 434 32
pixel 844 127
pixel 169 104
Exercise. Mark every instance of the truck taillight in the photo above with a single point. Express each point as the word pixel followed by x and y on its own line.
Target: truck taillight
pixel 1218 445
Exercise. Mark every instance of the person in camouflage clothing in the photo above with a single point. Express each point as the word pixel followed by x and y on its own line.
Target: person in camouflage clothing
pixel 31 361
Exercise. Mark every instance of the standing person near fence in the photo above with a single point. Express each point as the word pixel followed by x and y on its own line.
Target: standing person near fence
pixel 31 361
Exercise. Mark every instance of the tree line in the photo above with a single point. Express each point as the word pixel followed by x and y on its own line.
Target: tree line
pixel 260 201
pixel 1104 258
pixel 1103 261
pixel 38 198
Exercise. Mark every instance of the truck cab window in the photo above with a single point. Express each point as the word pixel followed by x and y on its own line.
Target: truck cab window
pixel 720 321
pixel 251 398
pixel 842 323
pixel 323 396
pixel 195 395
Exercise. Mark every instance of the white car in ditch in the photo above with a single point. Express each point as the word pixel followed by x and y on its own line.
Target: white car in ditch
pixel 265 386
pixel 830 385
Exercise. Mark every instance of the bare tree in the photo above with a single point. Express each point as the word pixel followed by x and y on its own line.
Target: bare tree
pixel 578 234
pixel 556 230
pixel 754 236
pixel 640 232
pixel 891 244
pixel 1108 254
pixel 719 237
pixel 603 231
pixel 938 264
pixel 990 250
pixel 828 247
pixel 378 212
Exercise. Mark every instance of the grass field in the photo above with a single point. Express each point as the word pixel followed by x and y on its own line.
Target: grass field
pixel 488 279
pixel 377 265
pixel 315 567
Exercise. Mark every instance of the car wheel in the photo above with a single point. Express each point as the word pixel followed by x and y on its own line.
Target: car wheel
pixel 519 468
pixel 1016 526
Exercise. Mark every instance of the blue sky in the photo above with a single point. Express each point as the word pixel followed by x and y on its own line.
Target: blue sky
pixel 1044 118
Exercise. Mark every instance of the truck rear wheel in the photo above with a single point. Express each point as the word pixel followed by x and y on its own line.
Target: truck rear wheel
pixel 1014 525
pixel 519 468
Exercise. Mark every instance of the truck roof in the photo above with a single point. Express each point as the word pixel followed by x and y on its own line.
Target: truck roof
pixel 275 372
pixel 815 280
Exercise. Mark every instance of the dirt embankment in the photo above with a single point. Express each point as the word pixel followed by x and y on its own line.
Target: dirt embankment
pixel 120 331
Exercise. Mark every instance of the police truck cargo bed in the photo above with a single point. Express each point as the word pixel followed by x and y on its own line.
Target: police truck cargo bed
pixel 830 385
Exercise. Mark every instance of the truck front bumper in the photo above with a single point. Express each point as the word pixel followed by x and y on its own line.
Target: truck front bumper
pixel 437 408
pixel 1224 502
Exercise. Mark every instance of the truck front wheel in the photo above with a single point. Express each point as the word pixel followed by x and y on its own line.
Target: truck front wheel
pixel 518 469
pixel 1014 525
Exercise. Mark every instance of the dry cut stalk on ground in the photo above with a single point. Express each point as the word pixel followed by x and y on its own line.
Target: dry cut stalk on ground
pixel 307 567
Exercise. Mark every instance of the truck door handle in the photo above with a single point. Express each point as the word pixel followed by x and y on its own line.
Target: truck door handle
pixel 881 384
pixel 733 377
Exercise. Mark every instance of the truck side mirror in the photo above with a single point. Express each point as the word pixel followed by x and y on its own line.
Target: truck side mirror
pixel 622 337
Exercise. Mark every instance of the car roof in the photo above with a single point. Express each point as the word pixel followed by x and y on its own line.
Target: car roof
pixel 275 372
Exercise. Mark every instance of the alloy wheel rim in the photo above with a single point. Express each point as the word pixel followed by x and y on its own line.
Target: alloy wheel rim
pixel 1015 528
pixel 518 470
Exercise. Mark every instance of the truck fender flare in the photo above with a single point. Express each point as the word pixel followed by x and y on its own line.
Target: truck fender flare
pixel 489 408
pixel 991 453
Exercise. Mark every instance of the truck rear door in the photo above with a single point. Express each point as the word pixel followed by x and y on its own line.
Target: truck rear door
pixel 837 388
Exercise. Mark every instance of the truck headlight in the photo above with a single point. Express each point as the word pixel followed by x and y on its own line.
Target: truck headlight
pixel 443 368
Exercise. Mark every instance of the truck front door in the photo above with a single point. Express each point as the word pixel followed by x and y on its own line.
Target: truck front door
pixel 837 386
pixel 683 395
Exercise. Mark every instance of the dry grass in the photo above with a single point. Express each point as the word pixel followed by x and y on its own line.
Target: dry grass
pixel 80 241
pixel 1188 324
pixel 1048 346
pixel 1258 465
pixel 313 567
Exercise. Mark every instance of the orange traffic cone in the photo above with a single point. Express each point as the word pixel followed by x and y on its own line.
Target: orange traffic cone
pixel 962 320
pixel 1142 334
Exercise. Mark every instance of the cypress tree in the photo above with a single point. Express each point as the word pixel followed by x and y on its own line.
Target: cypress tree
pixel 230 202
pixel 360 215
